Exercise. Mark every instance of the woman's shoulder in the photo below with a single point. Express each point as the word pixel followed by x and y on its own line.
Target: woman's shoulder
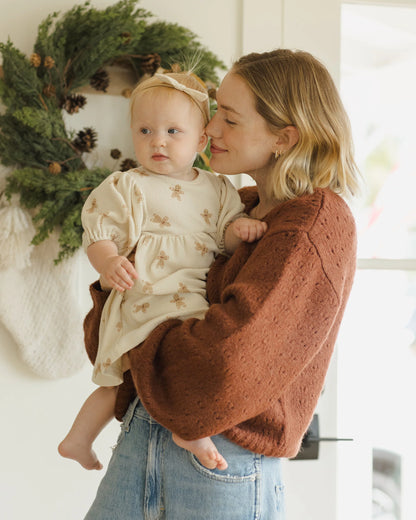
pixel 320 210
pixel 323 220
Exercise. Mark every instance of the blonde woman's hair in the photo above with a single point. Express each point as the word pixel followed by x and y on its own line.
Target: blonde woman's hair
pixel 187 79
pixel 294 88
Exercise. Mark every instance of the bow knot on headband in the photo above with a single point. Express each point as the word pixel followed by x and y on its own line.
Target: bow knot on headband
pixel 196 94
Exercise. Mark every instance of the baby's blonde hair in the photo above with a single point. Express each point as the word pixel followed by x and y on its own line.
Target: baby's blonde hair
pixel 294 88
pixel 187 79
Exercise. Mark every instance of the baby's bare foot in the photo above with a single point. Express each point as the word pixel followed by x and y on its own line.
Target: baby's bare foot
pixel 82 453
pixel 205 451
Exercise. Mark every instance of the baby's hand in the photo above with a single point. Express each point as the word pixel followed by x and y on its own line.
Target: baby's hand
pixel 248 229
pixel 119 273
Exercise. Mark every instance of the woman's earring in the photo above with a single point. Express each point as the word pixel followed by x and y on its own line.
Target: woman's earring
pixel 277 154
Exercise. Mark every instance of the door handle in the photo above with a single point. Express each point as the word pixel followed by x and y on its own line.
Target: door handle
pixel 309 449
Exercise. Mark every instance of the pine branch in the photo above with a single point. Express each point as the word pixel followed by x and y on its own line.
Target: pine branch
pixel 20 145
pixel 21 86
pixel 70 48
pixel 85 39
pixel 70 238
pixel 176 44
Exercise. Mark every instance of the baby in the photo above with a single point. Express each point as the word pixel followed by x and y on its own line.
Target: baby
pixel 170 219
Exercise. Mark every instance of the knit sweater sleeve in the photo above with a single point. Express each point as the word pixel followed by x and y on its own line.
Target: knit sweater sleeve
pixel 202 377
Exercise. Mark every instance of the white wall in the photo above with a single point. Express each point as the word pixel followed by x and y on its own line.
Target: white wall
pixel 35 482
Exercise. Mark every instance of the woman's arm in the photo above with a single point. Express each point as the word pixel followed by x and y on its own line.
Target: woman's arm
pixel 201 377
pixel 92 320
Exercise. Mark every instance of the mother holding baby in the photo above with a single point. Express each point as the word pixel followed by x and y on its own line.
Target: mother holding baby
pixel 250 373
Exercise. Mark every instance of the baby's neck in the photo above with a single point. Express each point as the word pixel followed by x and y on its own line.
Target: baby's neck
pixel 188 175
pixel 192 175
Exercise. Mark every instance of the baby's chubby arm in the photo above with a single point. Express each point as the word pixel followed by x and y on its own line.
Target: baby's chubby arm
pixel 117 271
pixel 243 229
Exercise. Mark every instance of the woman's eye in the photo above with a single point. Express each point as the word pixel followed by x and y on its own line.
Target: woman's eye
pixel 230 122
pixel 172 131
pixel 144 131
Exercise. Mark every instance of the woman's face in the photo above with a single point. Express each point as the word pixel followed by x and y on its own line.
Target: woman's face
pixel 241 141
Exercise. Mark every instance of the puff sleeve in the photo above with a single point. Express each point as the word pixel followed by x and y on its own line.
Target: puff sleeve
pixel 114 211
pixel 231 208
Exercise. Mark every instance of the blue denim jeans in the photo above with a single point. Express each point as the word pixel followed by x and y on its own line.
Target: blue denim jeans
pixel 150 478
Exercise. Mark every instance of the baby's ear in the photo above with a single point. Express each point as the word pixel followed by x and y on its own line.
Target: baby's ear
pixel 203 140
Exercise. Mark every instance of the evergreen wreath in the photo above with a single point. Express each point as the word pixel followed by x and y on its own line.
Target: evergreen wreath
pixel 71 51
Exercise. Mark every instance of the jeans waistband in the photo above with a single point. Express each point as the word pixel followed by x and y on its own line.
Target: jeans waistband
pixel 136 409
pixel 130 414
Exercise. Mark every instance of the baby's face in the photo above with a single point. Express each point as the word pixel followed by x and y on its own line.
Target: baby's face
pixel 167 131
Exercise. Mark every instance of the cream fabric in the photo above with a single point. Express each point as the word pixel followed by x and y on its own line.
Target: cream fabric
pixel 40 307
pixel 178 227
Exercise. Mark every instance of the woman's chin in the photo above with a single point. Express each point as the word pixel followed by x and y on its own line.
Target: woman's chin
pixel 219 165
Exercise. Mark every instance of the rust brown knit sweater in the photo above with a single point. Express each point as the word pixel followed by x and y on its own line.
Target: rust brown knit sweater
pixel 254 368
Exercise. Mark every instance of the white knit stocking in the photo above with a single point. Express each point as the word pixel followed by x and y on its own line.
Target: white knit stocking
pixel 40 306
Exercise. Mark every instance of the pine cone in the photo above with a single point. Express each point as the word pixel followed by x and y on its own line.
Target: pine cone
pixel 115 153
pixel 54 168
pixel 128 164
pixel 126 37
pixel 86 140
pixel 100 80
pixel 49 62
pixel 73 103
pixel 149 63
pixel 35 59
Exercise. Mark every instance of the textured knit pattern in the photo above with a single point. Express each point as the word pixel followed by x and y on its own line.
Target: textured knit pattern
pixel 254 368
pixel 40 307
pixel 177 228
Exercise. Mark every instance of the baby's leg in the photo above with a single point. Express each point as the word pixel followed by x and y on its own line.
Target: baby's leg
pixel 205 451
pixel 95 413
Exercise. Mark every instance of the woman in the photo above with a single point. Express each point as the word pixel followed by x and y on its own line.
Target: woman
pixel 250 373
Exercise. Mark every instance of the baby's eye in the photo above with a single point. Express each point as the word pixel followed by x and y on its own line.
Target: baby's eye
pixel 144 131
pixel 173 131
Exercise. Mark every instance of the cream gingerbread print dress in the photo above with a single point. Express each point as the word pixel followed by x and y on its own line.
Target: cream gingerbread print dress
pixel 178 227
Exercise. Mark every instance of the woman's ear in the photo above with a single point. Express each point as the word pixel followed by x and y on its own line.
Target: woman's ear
pixel 287 138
